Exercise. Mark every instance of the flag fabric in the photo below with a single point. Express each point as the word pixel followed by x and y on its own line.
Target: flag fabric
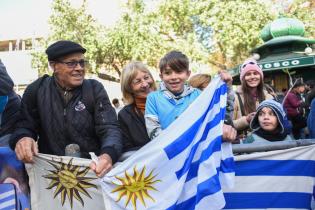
pixel 63 183
pixel 183 168
pixel 14 190
pixel 282 179
pixel 7 197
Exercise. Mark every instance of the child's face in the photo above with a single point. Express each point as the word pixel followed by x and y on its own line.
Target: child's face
pixel 174 81
pixel 267 119
pixel 141 85
pixel 252 78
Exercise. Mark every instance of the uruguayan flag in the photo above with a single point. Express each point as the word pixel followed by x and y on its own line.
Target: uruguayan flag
pixel 282 179
pixel 183 168
pixel 7 197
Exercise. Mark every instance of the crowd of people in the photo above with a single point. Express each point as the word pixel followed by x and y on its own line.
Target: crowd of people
pixel 65 108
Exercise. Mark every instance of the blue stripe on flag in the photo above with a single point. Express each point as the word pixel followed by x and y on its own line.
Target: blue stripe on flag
pixel 193 150
pixel 267 200
pixel 192 168
pixel 275 168
pixel 204 189
pixel 181 143
pixel 227 165
pixel 7 197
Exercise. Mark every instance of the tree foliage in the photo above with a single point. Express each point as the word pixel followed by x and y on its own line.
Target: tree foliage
pixel 218 33
pixel 304 10
pixel 69 23
pixel 236 26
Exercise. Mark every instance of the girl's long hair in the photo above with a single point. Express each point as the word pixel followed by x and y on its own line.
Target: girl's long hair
pixel 249 103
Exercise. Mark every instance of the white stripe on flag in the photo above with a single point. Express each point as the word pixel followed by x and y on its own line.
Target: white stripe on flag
pixel 189 189
pixel 7 204
pixel 6 194
pixel 273 184
pixel 186 160
pixel 216 201
pixel 299 153
pixel 213 133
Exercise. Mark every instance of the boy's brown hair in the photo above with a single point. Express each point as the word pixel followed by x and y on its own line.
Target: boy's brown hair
pixel 175 60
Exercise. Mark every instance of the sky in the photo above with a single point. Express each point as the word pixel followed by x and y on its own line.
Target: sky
pixel 25 18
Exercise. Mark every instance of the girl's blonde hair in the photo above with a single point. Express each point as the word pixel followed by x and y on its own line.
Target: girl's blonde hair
pixel 128 74
pixel 199 80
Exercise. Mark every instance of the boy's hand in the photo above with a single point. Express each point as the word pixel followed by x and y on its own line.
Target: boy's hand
pixel 225 76
pixel 229 133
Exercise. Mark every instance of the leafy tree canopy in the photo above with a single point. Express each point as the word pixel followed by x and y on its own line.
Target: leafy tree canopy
pixel 217 33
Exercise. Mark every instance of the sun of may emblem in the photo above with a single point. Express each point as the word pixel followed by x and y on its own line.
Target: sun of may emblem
pixel 69 181
pixel 135 187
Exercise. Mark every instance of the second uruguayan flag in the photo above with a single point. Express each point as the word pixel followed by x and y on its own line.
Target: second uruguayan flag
pixel 281 179
pixel 183 168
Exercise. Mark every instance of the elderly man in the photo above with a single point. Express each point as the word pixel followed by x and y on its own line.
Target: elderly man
pixel 65 109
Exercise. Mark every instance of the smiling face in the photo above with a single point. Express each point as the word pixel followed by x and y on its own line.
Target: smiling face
pixel 252 79
pixel 142 84
pixel 67 75
pixel 267 119
pixel 174 80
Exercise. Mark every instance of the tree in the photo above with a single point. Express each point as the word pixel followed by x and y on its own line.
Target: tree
pixel 304 10
pixel 236 27
pixel 146 35
pixel 73 24
pixel 217 33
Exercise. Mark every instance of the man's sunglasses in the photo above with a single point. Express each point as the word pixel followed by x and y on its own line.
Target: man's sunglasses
pixel 73 64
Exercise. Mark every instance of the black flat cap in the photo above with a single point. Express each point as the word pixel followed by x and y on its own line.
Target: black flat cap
pixel 63 48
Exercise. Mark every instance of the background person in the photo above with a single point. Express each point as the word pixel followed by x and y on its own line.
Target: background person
pixel 248 96
pixel 311 120
pixel 116 105
pixel 9 106
pixel 293 105
pixel 136 83
pixel 56 115
pixel 270 123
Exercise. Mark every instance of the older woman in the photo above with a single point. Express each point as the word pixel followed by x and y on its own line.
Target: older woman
pixel 136 83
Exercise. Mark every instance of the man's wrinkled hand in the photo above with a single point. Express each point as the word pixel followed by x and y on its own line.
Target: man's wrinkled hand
pixel 103 165
pixel 25 149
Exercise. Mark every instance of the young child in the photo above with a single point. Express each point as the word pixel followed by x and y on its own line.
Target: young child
pixel 173 98
pixel 270 123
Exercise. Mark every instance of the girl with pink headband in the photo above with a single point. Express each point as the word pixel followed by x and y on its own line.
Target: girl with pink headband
pixel 248 95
